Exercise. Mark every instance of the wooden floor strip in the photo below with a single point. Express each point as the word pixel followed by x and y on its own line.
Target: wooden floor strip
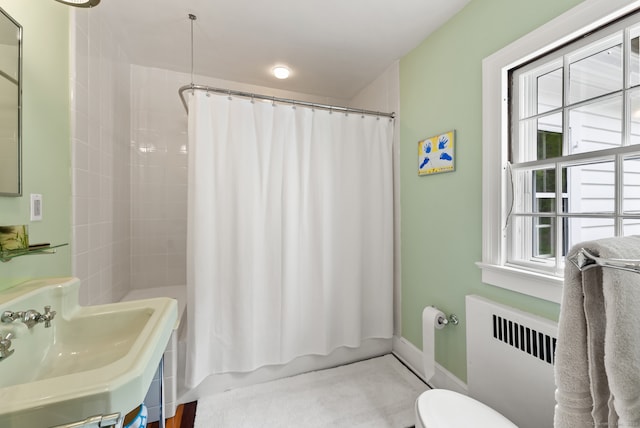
pixel 189 415
pixel 175 421
pixel 184 418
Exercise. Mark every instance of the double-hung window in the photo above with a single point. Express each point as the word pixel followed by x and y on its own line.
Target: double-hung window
pixel 569 168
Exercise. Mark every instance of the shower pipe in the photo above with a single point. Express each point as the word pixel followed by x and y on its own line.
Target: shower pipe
pixel 229 92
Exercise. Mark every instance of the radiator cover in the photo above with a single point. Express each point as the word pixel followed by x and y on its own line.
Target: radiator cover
pixel 510 355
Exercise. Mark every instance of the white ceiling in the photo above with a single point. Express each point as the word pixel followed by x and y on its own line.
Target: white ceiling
pixel 333 47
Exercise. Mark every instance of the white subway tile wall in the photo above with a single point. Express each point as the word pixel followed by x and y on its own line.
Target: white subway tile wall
pixel 101 194
pixel 159 178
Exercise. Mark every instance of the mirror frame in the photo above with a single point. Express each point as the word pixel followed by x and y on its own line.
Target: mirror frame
pixel 19 139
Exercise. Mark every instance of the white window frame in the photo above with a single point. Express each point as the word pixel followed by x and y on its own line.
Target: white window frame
pixel 584 18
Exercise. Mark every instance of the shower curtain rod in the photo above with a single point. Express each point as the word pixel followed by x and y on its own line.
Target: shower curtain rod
pixel 229 92
pixel 584 260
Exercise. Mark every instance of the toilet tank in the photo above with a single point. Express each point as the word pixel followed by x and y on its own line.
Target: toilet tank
pixel 510 356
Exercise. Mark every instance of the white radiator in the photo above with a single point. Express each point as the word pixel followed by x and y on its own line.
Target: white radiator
pixel 510 355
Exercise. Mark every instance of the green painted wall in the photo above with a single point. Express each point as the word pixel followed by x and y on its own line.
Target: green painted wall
pixel 46 138
pixel 441 89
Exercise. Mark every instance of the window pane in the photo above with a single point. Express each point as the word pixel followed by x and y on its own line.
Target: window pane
pixel 544 191
pixel 589 188
pixel 550 91
pixel 595 75
pixel 533 240
pixel 522 184
pixel 545 181
pixel 536 236
pixel 586 229
pixel 634 57
pixel 631 185
pixel 544 237
pixel 549 136
pixel 539 89
pixel 631 226
pixel 545 204
pixel 534 191
pixel 539 138
pixel 596 126
pixel 634 100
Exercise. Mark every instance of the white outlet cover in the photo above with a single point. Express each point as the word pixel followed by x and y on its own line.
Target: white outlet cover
pixel 36 207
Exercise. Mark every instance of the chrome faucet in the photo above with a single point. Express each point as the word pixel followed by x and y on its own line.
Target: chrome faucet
pixel 30 317
pixel 5 345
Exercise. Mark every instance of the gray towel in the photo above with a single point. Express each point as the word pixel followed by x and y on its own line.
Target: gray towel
pixel 598 351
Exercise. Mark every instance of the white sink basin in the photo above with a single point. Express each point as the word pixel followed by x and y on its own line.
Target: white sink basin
pixel 93 360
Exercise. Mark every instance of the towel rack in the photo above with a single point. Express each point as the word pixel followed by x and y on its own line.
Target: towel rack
pixel 584 260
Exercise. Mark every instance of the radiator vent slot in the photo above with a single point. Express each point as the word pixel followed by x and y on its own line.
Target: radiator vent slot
pixel 524 338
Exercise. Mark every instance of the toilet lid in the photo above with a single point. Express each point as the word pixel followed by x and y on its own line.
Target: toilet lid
pixel 441 408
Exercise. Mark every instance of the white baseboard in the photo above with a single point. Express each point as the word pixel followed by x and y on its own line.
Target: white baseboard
pixel 412 357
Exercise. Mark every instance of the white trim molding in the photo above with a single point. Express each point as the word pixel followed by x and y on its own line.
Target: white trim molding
pixel 534 284
pixel 582 19
pixel 411 356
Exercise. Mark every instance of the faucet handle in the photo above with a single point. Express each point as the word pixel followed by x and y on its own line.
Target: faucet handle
pixel 48 316
pixel 5 344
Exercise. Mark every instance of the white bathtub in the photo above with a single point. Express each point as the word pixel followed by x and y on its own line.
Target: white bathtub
pixel 176 393
pixel 217 383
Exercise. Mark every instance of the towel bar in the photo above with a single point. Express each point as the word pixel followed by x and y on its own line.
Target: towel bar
pixel 584 260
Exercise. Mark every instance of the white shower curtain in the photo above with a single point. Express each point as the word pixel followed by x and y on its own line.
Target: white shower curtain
pixel 290 233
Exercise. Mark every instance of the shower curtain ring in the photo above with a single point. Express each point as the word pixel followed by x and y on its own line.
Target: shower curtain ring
pixel 229 95
pixel 293 104
pixel 273 101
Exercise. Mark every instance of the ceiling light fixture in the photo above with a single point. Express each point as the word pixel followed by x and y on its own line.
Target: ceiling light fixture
pixel 281 72
pixel 80 3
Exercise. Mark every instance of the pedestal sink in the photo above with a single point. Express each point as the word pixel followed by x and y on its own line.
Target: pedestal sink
pixel 91 360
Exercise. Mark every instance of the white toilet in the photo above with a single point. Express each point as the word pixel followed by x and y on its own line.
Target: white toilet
pixel 441 408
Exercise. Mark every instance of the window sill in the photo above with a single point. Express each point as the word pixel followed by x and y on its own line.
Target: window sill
pixel 538 285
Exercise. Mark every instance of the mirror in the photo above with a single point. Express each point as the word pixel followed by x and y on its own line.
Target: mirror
pixel 10 106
